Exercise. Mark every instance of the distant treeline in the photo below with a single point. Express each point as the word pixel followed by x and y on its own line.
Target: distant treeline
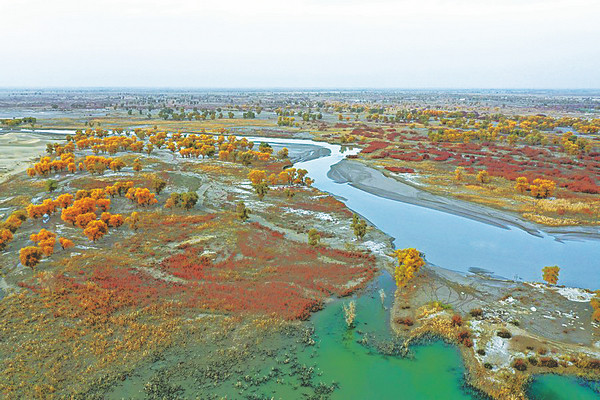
pixel 18 121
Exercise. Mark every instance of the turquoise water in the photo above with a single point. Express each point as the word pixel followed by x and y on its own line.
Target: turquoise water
pixel 554 387
pixel 431 371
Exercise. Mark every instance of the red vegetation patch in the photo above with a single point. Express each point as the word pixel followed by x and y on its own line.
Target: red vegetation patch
pixel 270 274
pixel 374 146
pixel 577 174
pixel 400 169
pixel 325 204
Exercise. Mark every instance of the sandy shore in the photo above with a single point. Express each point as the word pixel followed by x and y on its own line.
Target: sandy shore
pixel 19 149
pixel 375 182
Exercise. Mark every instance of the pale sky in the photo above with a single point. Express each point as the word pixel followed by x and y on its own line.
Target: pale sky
pixel 301 43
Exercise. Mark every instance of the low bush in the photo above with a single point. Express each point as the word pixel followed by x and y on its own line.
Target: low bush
pixel 519 364
pixel 405 321
pixel 504 334
pixel 548 362
pixel 457 320
pixel 532 361
pixel 476 313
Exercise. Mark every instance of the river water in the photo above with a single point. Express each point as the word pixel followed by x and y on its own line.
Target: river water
pixel 455 242
pixel 435 371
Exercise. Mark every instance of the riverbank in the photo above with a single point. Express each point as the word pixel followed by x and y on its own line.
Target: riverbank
pixel 507 331
pixel 18 149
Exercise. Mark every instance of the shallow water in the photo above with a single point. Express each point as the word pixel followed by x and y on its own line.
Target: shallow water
pixel 554 387
pixel 363 372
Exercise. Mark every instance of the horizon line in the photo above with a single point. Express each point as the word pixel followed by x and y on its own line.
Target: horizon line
pixel 310 88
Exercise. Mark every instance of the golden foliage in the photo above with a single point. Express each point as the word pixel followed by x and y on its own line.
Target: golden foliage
pixel 30 256
pixel 550 274
pixel 409 263
pixel 95 230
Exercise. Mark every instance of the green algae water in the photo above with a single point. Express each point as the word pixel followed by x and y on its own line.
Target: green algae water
pixel 363 362
pixel 554 387
pixel 357 359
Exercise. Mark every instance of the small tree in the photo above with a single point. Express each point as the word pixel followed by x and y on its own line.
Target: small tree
pixel 51 185
pixel 242 212
pixel 359 226
pixel 116 165
pixel 133 220
pixel 137 165
pixel 95 230
pixel 483 177
pixel 313 237
pixel 188 200
pixel 283 153
pixel 550 274
pixel 158 185
pixel 257 176
pixel 5 237
pixel 289 193
pixel 30 256
pixel 350 313
pixel 542 188
pixel 246 158
pixel 595 303
pixel 261 189
pixel 409 263
pixel 458 173
pixel 522 184
pixel 65 243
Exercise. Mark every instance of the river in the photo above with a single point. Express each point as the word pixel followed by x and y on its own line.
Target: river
pixel 453 241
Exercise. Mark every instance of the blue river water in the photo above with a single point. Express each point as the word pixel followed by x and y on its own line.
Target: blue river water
pixel 456 242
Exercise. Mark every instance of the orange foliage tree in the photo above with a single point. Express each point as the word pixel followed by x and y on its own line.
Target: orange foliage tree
pixel 30 256
pixel 595 303
pixel 36 211
pixel 133 220
pixel 103 204
pixel 95 230
pixel 83 220
pixel 64 200
pixel 542 188
pixel 45 240
pixel 550 274
pixel 142 196
pixel 483 177
pixel 137 165
pixel 409 263
pixel 522 184
pixel 458 173
pixel 85 205
pixel 112 220
pixel 257 176
pixel 117 164
pixel 14 221
pixel 65 243
pixel 5 237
